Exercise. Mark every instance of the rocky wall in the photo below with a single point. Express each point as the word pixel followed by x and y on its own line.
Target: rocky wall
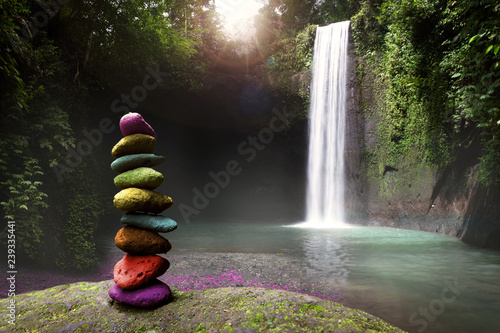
pixel 412 195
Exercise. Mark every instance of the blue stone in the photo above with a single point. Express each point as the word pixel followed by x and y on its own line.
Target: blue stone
pixel 129 162
pixel 156 223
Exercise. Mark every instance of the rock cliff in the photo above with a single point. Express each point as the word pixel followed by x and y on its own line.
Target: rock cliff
pixel 413 195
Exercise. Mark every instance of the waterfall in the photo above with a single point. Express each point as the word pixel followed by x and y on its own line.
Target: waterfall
pixel 325 178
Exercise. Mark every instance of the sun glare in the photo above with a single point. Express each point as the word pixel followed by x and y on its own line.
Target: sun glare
pixel 237 15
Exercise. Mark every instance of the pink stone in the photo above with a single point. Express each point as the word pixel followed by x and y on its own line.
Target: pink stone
pixel 133 123
pixel 133 272
pixel 155 294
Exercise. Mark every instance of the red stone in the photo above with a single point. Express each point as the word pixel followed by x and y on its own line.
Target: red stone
pixel 133 272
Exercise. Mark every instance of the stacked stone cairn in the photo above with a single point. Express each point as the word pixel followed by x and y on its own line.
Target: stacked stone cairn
pixel 135 275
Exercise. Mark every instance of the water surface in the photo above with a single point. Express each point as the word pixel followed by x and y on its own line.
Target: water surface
pixel 419 281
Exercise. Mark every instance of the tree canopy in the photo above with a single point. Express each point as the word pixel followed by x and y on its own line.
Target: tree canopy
pixel 434 66
pixel 56 59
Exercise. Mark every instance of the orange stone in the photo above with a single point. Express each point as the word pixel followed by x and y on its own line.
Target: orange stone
pixel 138 241
pixel 133 272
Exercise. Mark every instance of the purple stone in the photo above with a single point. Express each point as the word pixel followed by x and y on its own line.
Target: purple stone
pixel 133 123
pixel 154 295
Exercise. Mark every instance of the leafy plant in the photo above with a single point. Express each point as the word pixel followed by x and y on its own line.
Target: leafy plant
pixel 79 216
pixel 438 74
pixel 25 204
pixel 50 77
pixel 472 63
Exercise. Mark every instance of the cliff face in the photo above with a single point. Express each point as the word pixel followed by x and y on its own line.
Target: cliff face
pixel 412 194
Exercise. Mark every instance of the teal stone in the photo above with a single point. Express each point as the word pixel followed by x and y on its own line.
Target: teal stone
pixel 129 162
pixel 140 177
pixel 156 223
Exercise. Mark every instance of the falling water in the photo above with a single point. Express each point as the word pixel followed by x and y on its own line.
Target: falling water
pixel 325 191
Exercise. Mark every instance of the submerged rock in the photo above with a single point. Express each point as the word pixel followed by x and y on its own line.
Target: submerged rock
pixel 141 242
pixel 133 272
pixel 133 123
pixel 136 199
pixel 129 162
pixel 141 178
pixel 157 223
pixel 134 144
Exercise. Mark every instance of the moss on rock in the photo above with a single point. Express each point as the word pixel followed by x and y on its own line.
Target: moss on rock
pixel 86 307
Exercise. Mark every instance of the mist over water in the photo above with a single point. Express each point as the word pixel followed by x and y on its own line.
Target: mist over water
pixel 325 182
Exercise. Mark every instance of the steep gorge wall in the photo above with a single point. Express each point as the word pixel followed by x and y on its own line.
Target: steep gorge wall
pixel 413 194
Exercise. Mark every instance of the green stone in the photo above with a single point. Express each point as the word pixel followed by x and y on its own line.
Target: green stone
pixel 155 223
pixel 129 162
pixel 141 178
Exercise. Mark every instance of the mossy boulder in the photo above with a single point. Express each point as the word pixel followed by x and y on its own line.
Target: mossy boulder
pixel 87 307
pixel 136 199
pixel 141 178
pixel 134 144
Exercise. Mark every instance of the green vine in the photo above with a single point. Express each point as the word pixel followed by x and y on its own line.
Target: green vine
pixel 435 67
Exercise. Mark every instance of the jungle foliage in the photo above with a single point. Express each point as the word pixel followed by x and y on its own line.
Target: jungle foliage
pixel 433 65
pixel 435 74
pixel 56 59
